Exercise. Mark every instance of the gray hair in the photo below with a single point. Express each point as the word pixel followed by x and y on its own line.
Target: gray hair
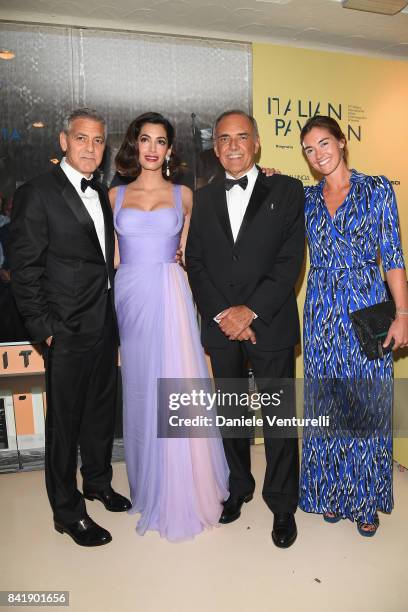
pixel 236 112
pixel 85 113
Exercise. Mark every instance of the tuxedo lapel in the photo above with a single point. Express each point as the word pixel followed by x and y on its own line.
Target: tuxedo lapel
pixel 258 196
pixel 220 200
pixel 76 205
pixel 109 230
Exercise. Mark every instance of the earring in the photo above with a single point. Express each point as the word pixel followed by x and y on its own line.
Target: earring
pixel 167 171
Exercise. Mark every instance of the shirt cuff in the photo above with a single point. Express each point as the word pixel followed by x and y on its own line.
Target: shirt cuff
pixel 217 319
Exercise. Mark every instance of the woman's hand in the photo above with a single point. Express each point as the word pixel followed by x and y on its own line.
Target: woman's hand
pixel 270 171
pixel 399 331
pixel 179 258
pixel 397 282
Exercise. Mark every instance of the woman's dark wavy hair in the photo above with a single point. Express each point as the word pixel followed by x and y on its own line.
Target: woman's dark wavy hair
pixel 127 158
pixel 328 123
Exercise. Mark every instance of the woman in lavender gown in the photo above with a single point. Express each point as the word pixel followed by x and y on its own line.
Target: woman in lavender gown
pixel 176 484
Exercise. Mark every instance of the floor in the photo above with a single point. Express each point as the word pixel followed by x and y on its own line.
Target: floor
pixel 233 568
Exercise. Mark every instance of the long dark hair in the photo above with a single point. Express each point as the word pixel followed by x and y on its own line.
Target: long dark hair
pixel 329 124
pixel 127 158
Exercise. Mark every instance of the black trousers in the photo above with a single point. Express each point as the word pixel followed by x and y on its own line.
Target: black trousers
pixel 81 384
pixel 281 483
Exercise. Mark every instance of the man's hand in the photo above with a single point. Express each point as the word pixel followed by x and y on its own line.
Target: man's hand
pixel 5 275
pixel 247 334
pixel 235 320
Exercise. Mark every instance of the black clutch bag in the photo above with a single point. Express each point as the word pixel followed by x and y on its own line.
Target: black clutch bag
pixel 371 326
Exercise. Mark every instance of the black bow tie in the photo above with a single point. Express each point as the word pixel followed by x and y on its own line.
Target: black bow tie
pixel 91 183
pixel 242 182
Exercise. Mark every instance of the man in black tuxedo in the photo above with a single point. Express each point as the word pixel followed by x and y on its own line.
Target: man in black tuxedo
pixel 244 254
pixel 62 278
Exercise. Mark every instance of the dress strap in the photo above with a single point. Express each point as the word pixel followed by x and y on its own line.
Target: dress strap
pixel 119 198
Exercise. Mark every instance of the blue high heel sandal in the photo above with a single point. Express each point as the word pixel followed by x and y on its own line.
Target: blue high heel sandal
pixel 364 532
pixel 331 519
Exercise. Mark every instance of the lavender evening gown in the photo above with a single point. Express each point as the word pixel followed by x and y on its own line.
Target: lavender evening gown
pixel 177 485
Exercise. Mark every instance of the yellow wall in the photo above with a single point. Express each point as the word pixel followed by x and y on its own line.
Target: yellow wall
pixel 370 94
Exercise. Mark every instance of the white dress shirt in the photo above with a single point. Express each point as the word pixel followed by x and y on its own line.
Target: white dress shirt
pixel 90 199
pixel 238 199
pixel 237 203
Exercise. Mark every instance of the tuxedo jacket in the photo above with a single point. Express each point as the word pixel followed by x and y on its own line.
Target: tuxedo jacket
pixel 58 272
pixel 259 269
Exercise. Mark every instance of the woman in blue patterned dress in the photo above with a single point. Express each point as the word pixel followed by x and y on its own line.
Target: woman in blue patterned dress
pixel 350 217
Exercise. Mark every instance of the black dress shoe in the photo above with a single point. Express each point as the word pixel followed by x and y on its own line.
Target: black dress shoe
pixel 85 532
pixel 114 502
pixel 232 508
pixel 284 531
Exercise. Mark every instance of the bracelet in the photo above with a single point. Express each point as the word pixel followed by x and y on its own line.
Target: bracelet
pixel 402 311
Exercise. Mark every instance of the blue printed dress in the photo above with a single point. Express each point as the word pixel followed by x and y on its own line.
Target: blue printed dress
pixel 348 475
